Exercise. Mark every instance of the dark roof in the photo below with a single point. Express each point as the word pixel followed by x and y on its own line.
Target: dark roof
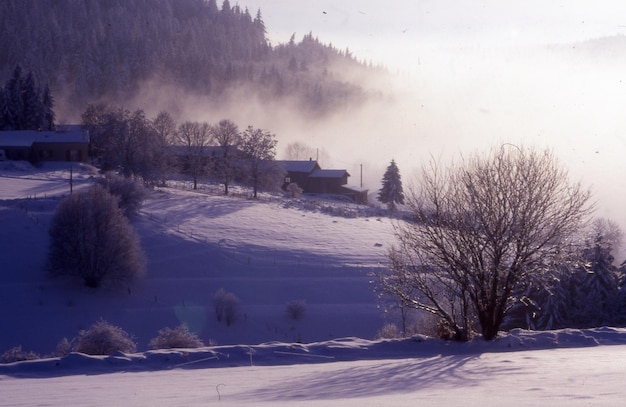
pixel 307 166
pixel 329 174
pixel 26 138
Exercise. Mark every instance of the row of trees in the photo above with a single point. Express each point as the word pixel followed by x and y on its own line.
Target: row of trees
pixel 136 146
pixel 25 104
pixel 499 241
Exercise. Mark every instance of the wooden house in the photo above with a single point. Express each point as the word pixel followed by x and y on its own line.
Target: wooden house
pixel 309 176
pixel 67 143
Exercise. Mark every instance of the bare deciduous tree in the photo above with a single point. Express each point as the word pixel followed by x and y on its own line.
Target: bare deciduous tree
pixel 125 141
pixel 300 151
pixel 227 136
pixel 195 138
pixel 165 128
pixel 480 230
pixel 259 149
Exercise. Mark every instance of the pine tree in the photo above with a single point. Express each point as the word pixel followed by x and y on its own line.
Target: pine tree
pixel 48 109
pixel 391 193
pixel 13 107
pixel 32 114
pixel 597 287
pixel 23 106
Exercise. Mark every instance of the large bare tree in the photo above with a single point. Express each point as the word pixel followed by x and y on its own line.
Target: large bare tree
pixel 227 136
pixel 165 128
pixel 480 229
pixel 195 138
pixel 259 149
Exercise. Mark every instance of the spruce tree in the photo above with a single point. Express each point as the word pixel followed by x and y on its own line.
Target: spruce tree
pixel 23 106
pixel 47 101
pixel 391 193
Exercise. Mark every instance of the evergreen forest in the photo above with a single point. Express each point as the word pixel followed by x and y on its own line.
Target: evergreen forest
pixel 106 50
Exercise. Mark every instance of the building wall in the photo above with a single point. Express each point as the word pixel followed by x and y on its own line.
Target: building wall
pixel 60 152
pixel 327 185
pixel 302 179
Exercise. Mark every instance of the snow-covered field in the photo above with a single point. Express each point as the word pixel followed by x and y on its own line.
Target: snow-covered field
pixel 267 253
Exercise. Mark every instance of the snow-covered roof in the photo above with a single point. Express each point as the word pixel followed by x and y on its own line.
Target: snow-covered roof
pixel 300 166
pixel 329 174
pixel 26 138
pixel 355 188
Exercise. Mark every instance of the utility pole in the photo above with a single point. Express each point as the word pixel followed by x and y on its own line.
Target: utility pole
pixel 361 175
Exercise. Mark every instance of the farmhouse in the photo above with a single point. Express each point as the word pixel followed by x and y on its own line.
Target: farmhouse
pixel 309 176
pixel 67 143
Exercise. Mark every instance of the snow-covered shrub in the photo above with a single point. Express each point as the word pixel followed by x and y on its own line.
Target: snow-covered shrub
pixel 294 190
pixel 389 331
pixel 90 238
pixel 296 310
pixel 179 337
pixel 104 339
pixel 64 347
pixel 16 354
pixel 445 331
pixel 226 306
pixel 129 191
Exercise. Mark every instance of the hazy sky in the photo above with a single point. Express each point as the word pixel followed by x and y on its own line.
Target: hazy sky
pixel 479 76
pixel 391 31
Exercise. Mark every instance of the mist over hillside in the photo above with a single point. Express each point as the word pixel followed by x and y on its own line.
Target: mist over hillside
pixel 121 51
pixel 206 62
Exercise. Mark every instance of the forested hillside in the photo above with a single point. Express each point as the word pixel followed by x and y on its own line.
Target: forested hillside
pixel 106 50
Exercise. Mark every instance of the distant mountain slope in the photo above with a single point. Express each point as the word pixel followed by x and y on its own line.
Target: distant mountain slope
pixel 107 50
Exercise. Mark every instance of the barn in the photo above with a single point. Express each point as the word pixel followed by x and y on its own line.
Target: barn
pixel 67 143
pixel 309 176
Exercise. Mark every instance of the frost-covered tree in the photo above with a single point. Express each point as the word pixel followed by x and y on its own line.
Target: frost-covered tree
pixel 165 130
pixel 91 239
pixel 258 148
pixel 194 138
pixel 23 106
pixel 226 135
pixel 482 230
pixel 581 294
pixel 48 109
pixel 391 192
pixel 126 142
pixel 300 151
pixel 129 192
pixel 595 287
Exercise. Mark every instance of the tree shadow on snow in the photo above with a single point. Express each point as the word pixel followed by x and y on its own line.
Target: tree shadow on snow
pixel 378 379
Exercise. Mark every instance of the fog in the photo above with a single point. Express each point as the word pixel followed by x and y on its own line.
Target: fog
pixel 570 99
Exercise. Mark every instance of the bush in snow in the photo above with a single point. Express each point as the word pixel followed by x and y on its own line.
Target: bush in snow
pixel 16 354
pixel 64 347
pixel 389 331
pixel 226 306
pixel 129 191
pixel 104 339
pixel 296 310
pixel 90 238
pixel 294 190
pixel 179 337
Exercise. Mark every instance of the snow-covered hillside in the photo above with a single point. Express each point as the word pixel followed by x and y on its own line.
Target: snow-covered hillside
pixel 267 252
